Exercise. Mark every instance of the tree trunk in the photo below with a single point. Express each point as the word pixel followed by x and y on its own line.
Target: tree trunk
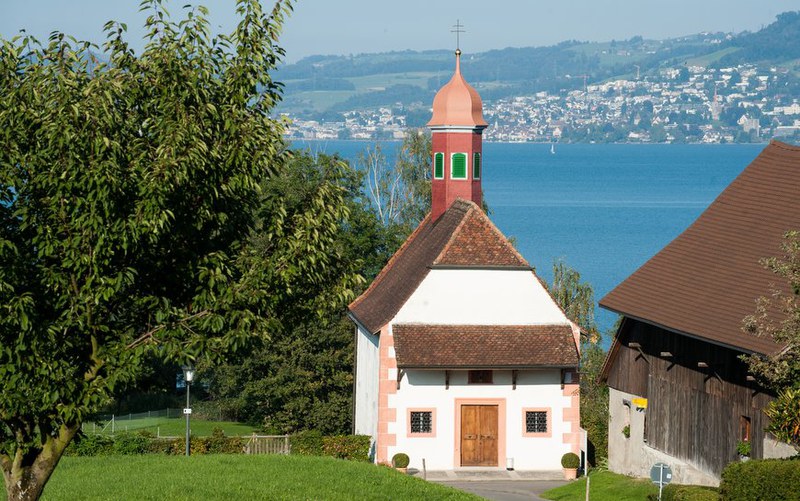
pixel 26 475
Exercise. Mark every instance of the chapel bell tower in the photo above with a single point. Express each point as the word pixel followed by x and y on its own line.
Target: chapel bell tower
pixel 456 127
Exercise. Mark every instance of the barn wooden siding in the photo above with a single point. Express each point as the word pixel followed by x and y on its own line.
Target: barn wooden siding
pixel 693 412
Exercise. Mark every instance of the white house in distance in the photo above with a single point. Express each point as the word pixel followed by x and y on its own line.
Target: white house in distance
pixel 462 357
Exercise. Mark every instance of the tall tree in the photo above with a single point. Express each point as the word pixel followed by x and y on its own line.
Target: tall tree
pixel 778 317
pixel 576 299
pixel 302 379
pixel 400 192
pixel 133 220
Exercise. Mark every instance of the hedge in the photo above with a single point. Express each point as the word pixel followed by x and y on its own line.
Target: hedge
pixel 307 443
pixel 352 447
pixel 313 443
pixel 145 443
pixel 310 443
pixel 764 479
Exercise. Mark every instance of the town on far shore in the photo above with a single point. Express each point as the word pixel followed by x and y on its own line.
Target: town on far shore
pixel 686 104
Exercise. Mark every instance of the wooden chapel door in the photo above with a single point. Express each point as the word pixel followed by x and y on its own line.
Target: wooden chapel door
pixel 479 435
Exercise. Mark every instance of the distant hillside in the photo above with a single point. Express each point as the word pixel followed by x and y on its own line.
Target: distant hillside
pixel 322 87
pixel 775 44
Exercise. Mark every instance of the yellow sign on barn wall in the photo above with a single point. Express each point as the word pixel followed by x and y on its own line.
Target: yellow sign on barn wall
pixel 640 403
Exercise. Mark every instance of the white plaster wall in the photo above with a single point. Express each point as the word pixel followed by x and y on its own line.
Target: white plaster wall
pixel 425 389
pixel 632 456
pixel 480 297
pixel 774 449
pixel 366 384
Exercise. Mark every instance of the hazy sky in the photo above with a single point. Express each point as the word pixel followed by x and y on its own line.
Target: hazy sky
pixel 356 26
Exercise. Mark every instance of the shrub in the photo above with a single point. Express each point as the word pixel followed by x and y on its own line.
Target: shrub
pixel 570 460
pixel 131 443
pixel 784 416
pixel 161 446
pixel 400 460
pixel 197 445
pixel 675 492
pixel 91 445
pixel 307 443
pixel 351 447
pixel 761 479
pixel 626 430
pixel 218 443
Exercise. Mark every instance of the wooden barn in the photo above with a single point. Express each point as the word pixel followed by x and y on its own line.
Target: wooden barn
pixel 679 392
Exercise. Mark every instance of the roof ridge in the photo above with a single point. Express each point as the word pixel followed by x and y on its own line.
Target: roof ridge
pixel 429 324
pixel 784 146
pixel 501 235
pixel 385 270
pixel 474 209
pixel 673 289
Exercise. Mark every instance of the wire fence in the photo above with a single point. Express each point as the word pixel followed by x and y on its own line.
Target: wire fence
pixel 161 423
pixel 112 423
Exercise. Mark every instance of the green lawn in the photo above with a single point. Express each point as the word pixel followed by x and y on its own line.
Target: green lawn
pixel 604 486
pixel 173 427
pixel 233 477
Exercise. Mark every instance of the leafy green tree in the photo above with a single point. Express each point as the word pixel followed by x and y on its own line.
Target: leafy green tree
pixel 414 168
pixel 576 299
pixel 400 192
pixel 302 379
pixel 134 220
pixel 778 317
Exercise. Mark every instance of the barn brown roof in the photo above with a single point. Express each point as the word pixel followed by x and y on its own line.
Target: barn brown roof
pixel 462 236
pixel 706 281
pixel 484 346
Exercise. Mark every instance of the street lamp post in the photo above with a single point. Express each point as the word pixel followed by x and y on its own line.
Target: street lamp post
pixel 188 376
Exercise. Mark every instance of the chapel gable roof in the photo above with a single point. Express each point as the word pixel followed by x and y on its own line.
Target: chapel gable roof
pixel 703 283
pixel 484 346
pixel 478 242
pixel 462 236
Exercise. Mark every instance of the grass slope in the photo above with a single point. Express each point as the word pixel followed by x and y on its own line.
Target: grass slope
pixel 232 477
pixel 173 427
pixel 604 486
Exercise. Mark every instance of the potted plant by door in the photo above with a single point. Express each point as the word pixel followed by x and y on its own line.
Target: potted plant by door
pixel 570 462
pixel 400 462
pixel 743 448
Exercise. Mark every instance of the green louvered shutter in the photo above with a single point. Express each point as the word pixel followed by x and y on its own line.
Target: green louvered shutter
pixel 458 169
pixel 438 166
pixel 476 166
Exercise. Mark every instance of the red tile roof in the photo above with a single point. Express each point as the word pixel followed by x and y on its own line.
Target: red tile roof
pixel 462 236
pixel 478 242
pixel 707 280
pixel 484 346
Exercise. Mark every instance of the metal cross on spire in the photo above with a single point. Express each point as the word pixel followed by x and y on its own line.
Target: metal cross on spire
pixel 458 30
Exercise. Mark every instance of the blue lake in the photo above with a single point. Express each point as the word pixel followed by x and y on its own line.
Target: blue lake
pixel 604 209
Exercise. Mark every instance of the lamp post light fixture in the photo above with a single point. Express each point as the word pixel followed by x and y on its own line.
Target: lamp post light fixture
pixel 188 376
